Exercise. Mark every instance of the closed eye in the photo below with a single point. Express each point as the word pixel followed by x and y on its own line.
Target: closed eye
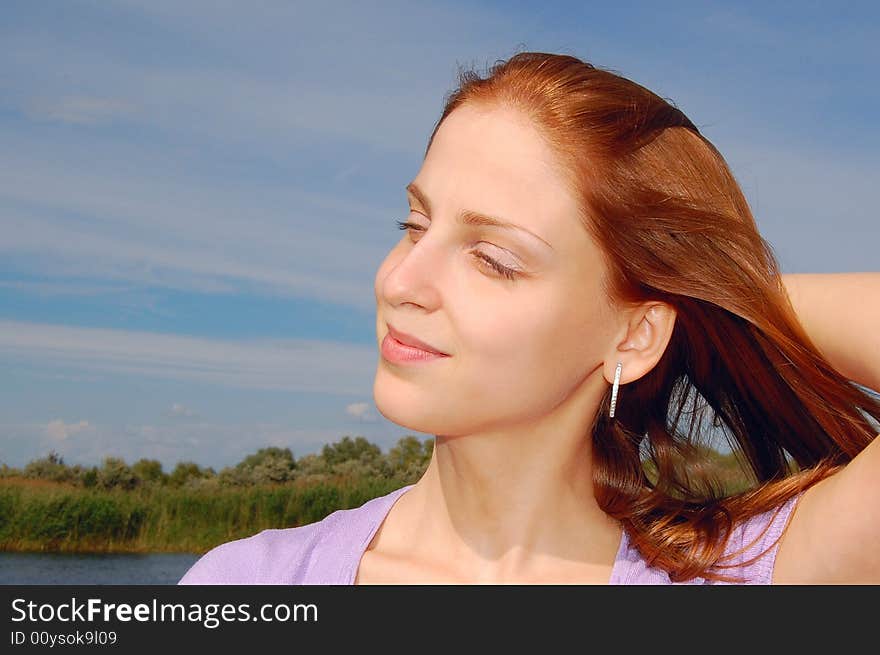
pixel 507 272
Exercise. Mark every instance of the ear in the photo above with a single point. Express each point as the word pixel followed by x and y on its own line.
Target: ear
pixel 641 341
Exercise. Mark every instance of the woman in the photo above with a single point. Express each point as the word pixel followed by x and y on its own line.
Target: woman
pixel 583 288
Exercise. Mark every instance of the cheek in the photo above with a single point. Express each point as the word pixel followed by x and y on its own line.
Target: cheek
pixel 540 346
pixel 521 344
pixel 516 327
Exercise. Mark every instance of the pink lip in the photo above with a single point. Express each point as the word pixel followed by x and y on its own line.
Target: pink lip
pixel 396 351
pixel 411 341
pixel 399 353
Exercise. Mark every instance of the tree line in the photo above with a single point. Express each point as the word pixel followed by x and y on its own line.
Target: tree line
pixel 350 458
pixel 117 507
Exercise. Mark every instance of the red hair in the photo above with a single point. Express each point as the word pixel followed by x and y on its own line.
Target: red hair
pixel 673 225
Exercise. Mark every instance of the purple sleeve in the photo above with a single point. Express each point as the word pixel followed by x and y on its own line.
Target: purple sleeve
pixel 324 552
pixel 274 556
pixel 761 570
pixel 631 568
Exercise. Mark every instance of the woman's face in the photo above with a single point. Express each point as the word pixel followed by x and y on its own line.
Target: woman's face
pixel 517 347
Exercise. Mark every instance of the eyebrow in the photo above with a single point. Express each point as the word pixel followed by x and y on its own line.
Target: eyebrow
pixel 469 217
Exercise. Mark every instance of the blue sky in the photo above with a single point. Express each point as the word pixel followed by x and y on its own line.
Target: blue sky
pixel 195 196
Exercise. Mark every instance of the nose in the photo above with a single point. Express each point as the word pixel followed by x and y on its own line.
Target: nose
pixel 413 274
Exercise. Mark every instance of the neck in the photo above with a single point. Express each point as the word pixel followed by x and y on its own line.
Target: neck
pixel 510 500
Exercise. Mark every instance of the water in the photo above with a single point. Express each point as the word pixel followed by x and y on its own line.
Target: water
pixel 117 568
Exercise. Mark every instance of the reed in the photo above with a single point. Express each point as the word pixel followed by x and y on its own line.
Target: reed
pixel 62 517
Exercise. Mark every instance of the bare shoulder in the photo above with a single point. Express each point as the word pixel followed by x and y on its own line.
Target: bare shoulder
pixel 388 558
pixel 833 534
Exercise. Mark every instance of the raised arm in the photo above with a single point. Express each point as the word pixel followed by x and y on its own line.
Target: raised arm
pixel 834 534
pixel 841 313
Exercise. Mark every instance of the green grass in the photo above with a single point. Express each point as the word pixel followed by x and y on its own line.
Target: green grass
pixel 65 518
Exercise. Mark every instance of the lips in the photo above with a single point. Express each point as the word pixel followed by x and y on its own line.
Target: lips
pixel 409 340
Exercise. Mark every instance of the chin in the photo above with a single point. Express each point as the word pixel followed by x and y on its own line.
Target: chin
pixel 408 408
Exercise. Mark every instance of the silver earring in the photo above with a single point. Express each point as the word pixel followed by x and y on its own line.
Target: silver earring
pixel 614 388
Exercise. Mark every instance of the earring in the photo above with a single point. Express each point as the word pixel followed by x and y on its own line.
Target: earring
pixel 614 388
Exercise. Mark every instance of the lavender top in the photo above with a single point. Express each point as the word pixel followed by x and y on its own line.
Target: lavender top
pixel 328 552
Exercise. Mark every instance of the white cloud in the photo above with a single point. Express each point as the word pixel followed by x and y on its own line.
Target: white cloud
pixel 53 376
pixel 181 411
pixel 360 411
pixel 361 75
pixel 155 211
pixel 159 229
pixel 65 288
pixel 293 365
pixel 201 266
pixel 60 430
pixel 79 110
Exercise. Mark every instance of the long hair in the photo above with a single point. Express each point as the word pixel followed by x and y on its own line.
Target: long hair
pixel 673 225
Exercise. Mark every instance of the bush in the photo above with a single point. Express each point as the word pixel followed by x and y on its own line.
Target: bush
pixel 355 458
pixel 7 471
pixel 89 477
pixel 272 454
pixel 234 476
pixel 266 466
pixel 185 471
pixel 273 470
pixel 408 458
pixel 116 474
pixel 50 467
pixel 358 469
pixel 346 449
pixel 150 471
pixel 312 464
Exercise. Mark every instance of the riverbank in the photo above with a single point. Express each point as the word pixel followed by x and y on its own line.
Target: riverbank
pixel 43 516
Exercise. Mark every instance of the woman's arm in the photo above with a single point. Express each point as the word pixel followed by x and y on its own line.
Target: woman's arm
pixel 833 536
pixel 841 314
